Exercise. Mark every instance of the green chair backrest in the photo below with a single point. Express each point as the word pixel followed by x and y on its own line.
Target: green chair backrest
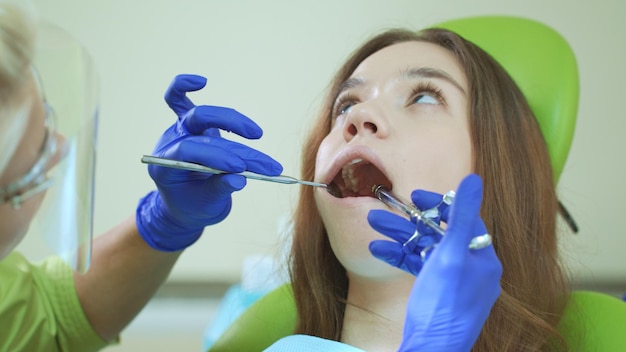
pixel 271 317
pixel 543 66
pixel 594 321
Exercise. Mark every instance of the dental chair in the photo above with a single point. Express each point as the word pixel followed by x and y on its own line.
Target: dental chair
pixel 544 67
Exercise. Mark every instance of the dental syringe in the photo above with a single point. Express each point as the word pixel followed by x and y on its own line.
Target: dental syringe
pixel 393 201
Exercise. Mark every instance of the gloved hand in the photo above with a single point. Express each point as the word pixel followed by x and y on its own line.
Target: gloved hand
pixel 174 217
pixel 457 287
pixel 401 229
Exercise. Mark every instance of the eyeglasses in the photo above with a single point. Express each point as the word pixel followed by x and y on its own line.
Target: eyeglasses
pixel 35 180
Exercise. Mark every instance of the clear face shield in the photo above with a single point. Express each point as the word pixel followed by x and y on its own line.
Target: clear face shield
pixel 68 83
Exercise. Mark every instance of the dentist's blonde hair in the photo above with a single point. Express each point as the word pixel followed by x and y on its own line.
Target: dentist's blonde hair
pixel 17 45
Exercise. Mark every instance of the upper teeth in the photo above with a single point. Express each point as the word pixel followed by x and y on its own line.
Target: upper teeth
pixel 347 173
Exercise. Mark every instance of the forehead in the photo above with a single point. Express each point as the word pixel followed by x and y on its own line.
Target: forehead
pixel 389 62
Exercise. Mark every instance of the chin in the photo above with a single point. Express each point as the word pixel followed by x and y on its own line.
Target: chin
pixel 350 243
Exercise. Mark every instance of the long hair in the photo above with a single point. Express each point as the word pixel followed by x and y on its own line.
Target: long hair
pixel 519 208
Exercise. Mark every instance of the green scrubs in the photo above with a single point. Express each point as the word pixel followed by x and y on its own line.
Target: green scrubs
pixel 39 308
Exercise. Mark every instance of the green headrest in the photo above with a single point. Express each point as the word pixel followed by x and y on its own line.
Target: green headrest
pixel 594 321
pixel 542 64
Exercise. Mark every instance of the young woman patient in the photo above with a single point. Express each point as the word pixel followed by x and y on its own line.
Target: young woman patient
pixel 422 114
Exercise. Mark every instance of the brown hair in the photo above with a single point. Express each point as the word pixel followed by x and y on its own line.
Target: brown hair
pixel 519 208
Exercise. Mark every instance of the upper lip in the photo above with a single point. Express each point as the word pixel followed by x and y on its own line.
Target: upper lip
pixel 352 153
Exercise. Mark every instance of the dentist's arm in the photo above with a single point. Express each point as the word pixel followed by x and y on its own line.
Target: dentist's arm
pixel 133 259
pixel 125 273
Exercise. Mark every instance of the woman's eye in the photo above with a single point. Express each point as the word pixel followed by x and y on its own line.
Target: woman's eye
pixel 426 99
pixel 346 108
pixel 427 93
pixel 344 103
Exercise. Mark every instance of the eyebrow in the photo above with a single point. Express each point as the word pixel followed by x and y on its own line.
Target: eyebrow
pixel 350 83
pixel 410 73
pixel 429 72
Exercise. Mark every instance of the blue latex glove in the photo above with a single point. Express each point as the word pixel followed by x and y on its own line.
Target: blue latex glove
pixel 174 217
pixel 400 229
pixel 457 287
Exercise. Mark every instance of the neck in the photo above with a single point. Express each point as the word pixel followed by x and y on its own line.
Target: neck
pixel 375 312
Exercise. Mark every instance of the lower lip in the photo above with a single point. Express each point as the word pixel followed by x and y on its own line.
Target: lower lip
pixel 352 200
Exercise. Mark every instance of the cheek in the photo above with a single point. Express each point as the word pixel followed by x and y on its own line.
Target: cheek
pixel 455 153
pixel 324 156
pixel 459 153
pixel 350 234
pixel 62 149
pixel 439 162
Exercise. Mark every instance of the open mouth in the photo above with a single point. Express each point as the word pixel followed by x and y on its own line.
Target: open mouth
pixel 356 179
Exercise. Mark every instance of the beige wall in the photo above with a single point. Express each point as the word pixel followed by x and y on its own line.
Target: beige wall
pixel 271 60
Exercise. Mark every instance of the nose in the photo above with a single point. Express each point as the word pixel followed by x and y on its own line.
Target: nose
pixel 364 119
